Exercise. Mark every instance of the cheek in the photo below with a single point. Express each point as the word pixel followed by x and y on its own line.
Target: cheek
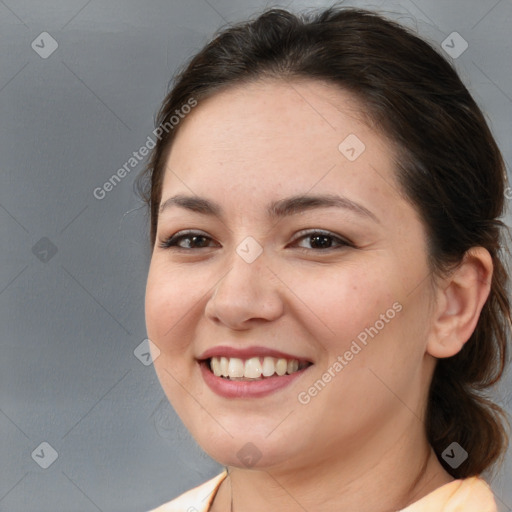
pixel 170 297
pixel 339 303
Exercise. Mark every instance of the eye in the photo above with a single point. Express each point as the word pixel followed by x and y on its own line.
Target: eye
pixel 319 239
pixel 194 240
pixel 323 240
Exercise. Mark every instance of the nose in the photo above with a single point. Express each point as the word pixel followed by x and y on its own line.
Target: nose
pixel 247 294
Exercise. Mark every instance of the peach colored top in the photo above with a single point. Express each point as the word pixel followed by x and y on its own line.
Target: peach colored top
pixel 464 495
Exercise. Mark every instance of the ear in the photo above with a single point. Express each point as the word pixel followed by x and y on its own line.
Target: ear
pixel 460 299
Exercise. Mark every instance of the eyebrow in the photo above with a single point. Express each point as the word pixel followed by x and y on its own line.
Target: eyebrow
pixel 277 209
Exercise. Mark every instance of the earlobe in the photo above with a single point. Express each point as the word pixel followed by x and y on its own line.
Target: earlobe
pixel 461 297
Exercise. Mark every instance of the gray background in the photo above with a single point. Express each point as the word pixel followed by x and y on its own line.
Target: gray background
pixel 71 319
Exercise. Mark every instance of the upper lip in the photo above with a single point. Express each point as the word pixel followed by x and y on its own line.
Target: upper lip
pixel 247 353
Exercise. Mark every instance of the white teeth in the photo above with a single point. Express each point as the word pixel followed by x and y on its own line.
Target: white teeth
pixel 235 367
pixel 269 367
pixel 253 368
pixel 215 366
pixel 292 366
pixel 281 366
pixel 224 363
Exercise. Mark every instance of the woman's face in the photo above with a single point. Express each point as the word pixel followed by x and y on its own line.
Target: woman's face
pixel 342 287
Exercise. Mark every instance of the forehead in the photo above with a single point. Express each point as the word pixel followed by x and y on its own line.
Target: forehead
pixel 278 137
pixel 274 113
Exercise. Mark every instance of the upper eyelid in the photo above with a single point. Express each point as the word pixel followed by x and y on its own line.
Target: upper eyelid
pixel 309 231
pixel 186 233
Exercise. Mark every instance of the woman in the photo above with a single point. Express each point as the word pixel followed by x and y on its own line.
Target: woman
pixel 325 290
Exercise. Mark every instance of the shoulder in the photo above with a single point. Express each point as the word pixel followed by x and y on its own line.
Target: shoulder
pixel 471 494
pixel 197 499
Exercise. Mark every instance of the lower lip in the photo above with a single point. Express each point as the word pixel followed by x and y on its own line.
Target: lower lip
pixel 246 389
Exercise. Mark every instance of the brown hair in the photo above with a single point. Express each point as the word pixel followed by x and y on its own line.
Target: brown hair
pixel 448 166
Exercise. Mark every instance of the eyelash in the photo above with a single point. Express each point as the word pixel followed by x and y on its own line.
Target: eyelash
pixel 172 241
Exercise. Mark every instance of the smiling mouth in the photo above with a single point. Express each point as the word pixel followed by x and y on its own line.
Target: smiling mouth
pixel 254 368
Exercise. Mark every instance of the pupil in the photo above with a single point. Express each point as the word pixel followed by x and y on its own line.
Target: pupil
pixel 325 238
pixel 195 239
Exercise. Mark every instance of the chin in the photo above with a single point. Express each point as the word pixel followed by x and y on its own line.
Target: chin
pixel 246 452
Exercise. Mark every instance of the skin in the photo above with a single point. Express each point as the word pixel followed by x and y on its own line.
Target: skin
pixel 359 444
